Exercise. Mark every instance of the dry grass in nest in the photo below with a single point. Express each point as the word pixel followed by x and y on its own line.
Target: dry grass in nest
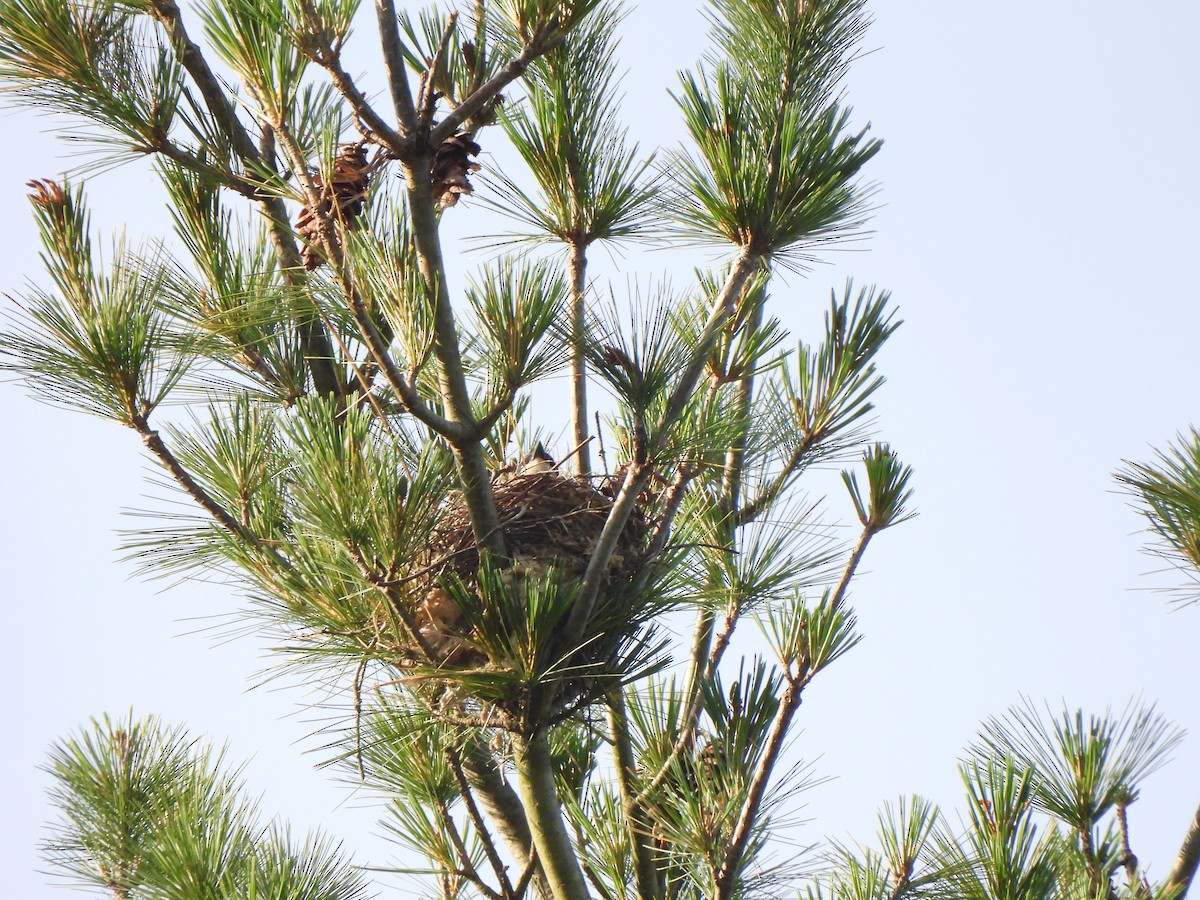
pixel 549 521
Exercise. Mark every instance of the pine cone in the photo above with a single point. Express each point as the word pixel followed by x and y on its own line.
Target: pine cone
pixel 450 168
pixel 342 199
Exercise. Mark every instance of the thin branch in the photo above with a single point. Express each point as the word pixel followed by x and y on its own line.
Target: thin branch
pixel 1138 886
pixel 700 642
pixel 216 98
pixel 767 495
pixel 721 642
pixel 382 585
pixel 412 401
pixel 839 593
pixel 638 476
pixel 318 352
pixel 740 836
pixel 154 443
pixel 673 499
pixel 359 675
pixel 385 134
pixel 640 842
pixel 578 399
pixel 489 419
pixel 468 869
pixel 393 65
pixel 735 457
pixel 248 188
pixel 363 379
pixel 427 101
pixel 512 70
pixel 527 874
pixel 788 704
pixel 489 846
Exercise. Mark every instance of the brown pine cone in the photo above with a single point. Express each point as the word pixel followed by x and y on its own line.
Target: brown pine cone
pixel 342 199
pixel 451 165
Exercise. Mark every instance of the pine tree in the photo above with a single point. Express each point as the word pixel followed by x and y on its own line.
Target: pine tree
pixel 1048 795
pixel 358 445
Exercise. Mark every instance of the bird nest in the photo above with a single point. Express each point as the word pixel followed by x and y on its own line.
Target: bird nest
pixel 551 525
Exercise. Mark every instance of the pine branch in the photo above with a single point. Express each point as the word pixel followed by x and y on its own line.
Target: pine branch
pixel 503 806
pixel 636 824
pixel 467 870
pixel 775 487
pixel 330 59
pixel 167 13
pixel 427 100
pixel 511 71
pixel 788 704
pixel 691 716
pixel 468 450
pixel 247 187
pixel 1184 870
pixel 485 836
pixel 735 457
pixel 154 443
pixel 638 474
pixel 535 778
pixel 395 602
pixel 739 840
pixel 393 64
pixel 578 398
pixel 856 555
pixel 318 350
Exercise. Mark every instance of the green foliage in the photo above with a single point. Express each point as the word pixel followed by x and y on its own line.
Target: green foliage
pixel 1167 493
pixel 1045 817
pixel 1082 769
pixel 517 306
pixel 590 181
pixel 88 60
pixel 884 502
pixel 101 343
pixel 148 812
pixel 779 112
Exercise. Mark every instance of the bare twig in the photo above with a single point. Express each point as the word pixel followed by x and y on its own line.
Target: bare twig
pixel 383 585
pixel 359 674
pixel 839 593
pixel 427 101
pixel 1138 886
pixel 467 870
pixel 512 70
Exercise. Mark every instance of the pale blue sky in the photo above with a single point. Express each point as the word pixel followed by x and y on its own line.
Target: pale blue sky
pixel 1037 227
